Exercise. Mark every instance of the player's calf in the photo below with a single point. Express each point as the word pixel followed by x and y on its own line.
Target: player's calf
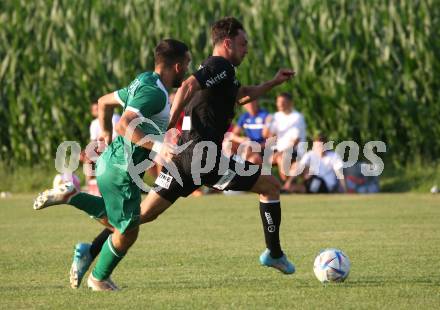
pixel 123 241
pixel 112 252
pixel 152 207
pixel 270 211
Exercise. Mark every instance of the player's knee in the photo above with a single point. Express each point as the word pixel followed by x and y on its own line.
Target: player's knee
pixel 271 186
pixel 149 218
pixel 123 241
pixel 275 186
pixel 131 235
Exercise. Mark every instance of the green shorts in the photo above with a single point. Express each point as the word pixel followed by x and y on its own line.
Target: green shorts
pixel 122 197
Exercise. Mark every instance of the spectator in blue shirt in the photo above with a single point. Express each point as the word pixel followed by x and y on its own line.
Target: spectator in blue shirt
pixel 251 124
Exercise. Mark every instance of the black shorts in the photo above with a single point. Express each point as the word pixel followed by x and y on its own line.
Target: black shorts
pixel 315 185
pixel 227 174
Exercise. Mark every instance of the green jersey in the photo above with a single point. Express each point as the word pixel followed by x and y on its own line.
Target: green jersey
pixel 147 97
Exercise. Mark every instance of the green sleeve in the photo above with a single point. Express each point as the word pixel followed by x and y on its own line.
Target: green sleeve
pixel 122 96
pixel 147 101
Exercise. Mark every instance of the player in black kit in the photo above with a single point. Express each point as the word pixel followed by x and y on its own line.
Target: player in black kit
pixel 208 98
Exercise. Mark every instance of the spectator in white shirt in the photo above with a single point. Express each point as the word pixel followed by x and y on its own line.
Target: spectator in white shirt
pixel 321 169
pixel 289 127
pixel 95 129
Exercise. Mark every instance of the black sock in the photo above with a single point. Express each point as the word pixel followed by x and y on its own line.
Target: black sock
pixel 98 242
pixel 271 216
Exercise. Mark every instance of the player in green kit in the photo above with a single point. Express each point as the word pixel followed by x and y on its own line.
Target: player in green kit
pixel 146 115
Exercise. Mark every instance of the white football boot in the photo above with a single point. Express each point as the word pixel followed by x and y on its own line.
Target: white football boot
pixel 55 196
pixel 99 286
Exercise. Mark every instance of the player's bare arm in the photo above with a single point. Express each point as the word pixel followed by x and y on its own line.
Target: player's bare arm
pixel 249 93
pixel 126 128
pixel 127 118
pixel 106 105
pixel 184 94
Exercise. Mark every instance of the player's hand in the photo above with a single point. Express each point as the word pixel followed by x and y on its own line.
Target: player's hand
pixel 283 75
pixel 168 151
pixel 172 136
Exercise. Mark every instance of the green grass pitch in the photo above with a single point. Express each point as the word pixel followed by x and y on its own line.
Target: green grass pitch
pixel 203 254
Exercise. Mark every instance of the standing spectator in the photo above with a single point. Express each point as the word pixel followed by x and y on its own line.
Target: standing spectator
pixel 95 129
pixel 251 123
pixel 95 132
pixel 289 127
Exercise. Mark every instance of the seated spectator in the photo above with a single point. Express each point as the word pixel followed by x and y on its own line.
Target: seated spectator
pixel 357 182
pixel 289 127
pixel 251 123
pixel 321 170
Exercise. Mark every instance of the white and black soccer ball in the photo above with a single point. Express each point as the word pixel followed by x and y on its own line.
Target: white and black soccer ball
pixel 331 265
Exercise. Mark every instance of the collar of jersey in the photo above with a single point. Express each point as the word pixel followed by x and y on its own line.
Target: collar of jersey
pixel 158 77
pixel 233 67
pixel 161 85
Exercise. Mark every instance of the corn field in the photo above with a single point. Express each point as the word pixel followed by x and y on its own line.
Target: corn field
pixel 366 70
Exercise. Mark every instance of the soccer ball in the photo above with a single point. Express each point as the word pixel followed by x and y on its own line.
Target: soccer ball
pixel 331 265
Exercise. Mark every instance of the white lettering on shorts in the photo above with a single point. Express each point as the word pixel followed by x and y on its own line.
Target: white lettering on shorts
pixel 164 180
pixel 225 180
pixel 238 159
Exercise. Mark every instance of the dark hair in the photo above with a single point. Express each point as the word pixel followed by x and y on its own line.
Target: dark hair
pixel 320 137
pixel 227 27
pixel 288 96
pixel 94 102
pixel 169 52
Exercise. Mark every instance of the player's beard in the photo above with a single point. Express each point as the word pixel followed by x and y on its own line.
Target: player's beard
pixel 178 80
pixel 237 60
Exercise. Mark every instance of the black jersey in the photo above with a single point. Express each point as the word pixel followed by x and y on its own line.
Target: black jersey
pixel 210 112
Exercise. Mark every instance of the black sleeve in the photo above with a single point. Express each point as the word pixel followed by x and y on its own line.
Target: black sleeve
pixel 215 72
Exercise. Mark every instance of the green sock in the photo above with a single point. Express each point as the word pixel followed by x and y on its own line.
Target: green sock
pixel 92 205
pixel 107 261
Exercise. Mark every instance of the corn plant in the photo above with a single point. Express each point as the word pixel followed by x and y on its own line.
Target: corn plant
pixel 366 69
